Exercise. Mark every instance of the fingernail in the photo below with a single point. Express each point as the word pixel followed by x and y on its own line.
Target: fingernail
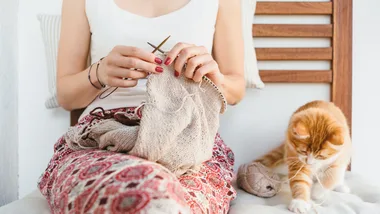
pixel 176 73
pixel 159 69
pixel 158 60
pixel 168 61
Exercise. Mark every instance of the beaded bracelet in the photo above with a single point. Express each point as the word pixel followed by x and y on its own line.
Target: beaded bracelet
pixel 97 75
pixel 89 77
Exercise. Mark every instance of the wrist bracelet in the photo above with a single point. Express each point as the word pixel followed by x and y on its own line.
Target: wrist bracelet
pixel 97 75
pixel 89 78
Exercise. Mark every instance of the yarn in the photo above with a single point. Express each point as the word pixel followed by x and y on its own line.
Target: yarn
pixel 255 178
pixel 258 180
pixel 178 127
pixel 261 181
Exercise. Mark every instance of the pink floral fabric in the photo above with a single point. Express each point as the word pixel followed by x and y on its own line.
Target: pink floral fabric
pixel 99 181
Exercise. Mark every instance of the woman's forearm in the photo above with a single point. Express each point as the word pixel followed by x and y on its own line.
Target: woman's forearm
pixel 233 88
pixel 75 91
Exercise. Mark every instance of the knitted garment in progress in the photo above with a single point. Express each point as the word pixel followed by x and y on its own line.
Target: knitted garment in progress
pixel 178 127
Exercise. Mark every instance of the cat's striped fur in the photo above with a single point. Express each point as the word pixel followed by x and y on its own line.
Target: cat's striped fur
pixel 317 145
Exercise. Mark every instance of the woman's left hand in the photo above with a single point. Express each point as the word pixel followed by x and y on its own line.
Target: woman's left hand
pixel 195 62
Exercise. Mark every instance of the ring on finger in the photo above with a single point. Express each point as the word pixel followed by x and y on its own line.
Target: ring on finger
pixel 185 65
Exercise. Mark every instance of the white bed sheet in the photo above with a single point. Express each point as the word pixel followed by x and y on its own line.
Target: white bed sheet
pixel 363 199
pixel 34 203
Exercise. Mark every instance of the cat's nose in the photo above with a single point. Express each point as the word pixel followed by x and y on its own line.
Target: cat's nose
pixel 310 161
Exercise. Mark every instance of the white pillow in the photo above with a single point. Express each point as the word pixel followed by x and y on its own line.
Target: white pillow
pixel 51 26
pixel 252 77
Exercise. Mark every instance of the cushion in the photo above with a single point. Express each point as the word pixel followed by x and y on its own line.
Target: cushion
pixel 34 203
pixel 50 29
pixel 364 198
pixel 252 77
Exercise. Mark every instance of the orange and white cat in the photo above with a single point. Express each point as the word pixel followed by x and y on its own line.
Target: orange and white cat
pixel 317 146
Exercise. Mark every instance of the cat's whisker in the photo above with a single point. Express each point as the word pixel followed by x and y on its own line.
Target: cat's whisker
pixel 329 174
pixel 291 158
pixel 293 161
pixel 328 168
pixel 291 164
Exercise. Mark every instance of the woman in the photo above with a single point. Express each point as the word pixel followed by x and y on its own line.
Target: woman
pixel 205 35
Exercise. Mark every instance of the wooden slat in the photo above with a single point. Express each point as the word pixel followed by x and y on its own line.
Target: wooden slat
pixel 294 53
pixel 296 76
pixel 342 56
pixel 341 92
pixel 291 30
pixel 293 8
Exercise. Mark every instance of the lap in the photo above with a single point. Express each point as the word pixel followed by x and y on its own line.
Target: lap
pixel 97 181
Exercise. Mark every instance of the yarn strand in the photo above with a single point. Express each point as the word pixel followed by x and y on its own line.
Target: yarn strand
pixel 182 103
pixel 261 169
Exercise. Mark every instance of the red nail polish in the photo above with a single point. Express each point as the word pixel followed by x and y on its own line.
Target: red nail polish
pixel 159 69
pixel 176 73
pixel 158 60
pixel 168 61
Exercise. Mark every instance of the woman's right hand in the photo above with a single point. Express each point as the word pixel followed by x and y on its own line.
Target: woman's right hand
pixel 125 65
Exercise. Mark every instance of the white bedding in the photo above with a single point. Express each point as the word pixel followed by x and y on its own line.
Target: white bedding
pixel 363 199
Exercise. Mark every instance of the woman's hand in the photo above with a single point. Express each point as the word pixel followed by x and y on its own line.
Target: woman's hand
pixel 125 65
pixel 195 62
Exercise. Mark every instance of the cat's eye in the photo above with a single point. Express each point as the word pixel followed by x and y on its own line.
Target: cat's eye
pixel 320 157
pixel 302 152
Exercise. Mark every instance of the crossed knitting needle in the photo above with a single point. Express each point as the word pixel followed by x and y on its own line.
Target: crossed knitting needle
pixel 155 49
pixel 158 47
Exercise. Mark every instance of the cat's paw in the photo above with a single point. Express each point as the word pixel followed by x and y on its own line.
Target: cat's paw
pixel 299 206
pixel 318 192
pixel 342 188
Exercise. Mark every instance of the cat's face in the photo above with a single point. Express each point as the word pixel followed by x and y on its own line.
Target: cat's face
pixel 316 138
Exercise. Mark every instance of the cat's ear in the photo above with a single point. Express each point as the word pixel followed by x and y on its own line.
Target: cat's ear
pixel 337 136
pixel 300 131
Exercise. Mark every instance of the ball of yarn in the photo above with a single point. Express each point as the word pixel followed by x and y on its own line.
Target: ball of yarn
pixel 258 180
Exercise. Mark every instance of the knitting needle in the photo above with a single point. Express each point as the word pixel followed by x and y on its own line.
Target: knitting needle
pixel 157 48
pixel 153 46
pixel 162 43
pixel 161 51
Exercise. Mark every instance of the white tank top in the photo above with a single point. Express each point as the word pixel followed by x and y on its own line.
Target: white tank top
pixel 110 26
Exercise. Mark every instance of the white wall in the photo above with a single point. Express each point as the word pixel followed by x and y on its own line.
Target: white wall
pixel 366 88
pixel 250 128
pixel 8 101
pixel 39 128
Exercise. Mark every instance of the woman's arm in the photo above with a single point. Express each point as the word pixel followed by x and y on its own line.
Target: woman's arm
pixel 122 67
pixel 228 50
pixel 73 88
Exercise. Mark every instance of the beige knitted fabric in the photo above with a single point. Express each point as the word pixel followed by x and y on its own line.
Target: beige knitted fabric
pixel 178 127
pixel 258 180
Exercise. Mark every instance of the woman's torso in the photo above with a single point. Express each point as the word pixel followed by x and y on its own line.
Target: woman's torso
pixel 111 25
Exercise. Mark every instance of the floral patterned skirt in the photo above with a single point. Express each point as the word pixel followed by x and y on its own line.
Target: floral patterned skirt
pixel 99 181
